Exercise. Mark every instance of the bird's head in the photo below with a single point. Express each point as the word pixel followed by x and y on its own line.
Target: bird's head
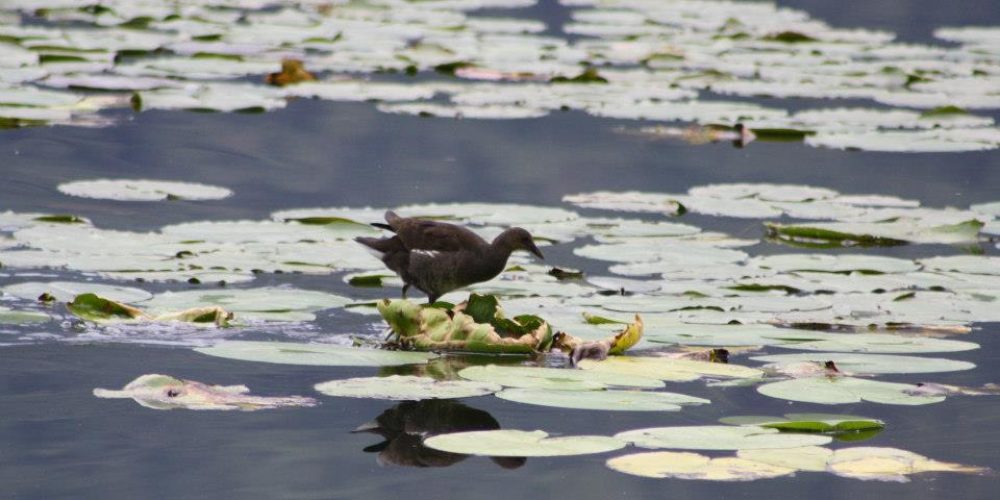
pixel 517 238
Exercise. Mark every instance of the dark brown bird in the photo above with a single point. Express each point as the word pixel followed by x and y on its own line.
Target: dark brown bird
pixel 436 257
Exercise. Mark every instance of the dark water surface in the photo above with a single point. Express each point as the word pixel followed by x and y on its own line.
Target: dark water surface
pixel 58 441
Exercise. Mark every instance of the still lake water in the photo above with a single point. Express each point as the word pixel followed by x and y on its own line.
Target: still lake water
pixel 58 441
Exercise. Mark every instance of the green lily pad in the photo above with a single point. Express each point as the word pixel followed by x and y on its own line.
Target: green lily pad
pixel 718 437
pixel 810 422
pixel 515 443
pixel 567 379
pixel 687 465
pixel 143 190
pixel 606 400
pixel 405 388
pixel 841 390
pixel 873 364
pixel 92 307
pixel 291 353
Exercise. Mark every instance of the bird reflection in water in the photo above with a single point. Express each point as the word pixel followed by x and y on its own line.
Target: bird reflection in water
pixel 405 426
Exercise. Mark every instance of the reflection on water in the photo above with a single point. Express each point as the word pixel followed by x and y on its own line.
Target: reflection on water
pixel 405 426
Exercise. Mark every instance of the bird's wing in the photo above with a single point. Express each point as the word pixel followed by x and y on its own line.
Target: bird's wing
pixel 419 234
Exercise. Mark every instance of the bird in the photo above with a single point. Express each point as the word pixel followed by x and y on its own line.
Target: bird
pixel 437 257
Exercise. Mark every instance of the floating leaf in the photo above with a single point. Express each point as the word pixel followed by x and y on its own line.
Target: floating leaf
pixel 567 379
pixel 668 369
pixel 90 306
pixel 889 464
pixel 65 291
pixel 872 363
pixel 143 190
pixel 687 465
pixel 515 443
pixel 163 392
pixel 11 317
pixel 810 422
pixel 268 304
pixel 405 387
pixel 291 353
pixel 606 400
pixel 718 437
pixel 841 390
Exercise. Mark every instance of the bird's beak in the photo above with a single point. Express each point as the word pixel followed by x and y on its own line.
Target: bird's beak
pixel 534 249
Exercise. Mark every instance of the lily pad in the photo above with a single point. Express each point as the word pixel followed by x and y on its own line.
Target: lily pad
pixel 163 392
pixel 687 465
pixel 405 388
pixel 889 464
pixel 872 364
pixel 606 400
pixel 515 443
pixel 841 390
pixel 810 422
pixel 668 369
pixel 265 304
pixel 11 317
pixel 567 379
pixel 143 190
pixel 65 291
pixel 718 437
pixel 292 353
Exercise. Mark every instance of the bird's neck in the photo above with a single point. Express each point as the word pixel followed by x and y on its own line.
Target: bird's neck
pixel 494 259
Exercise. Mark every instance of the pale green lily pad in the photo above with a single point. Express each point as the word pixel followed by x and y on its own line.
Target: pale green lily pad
pixel 568 379
pixel 267 304
pixel 163 392
pixel 843 390
pixel 627 201
pixel 405 388
pixel 12 317
pixel 991 209
pixel 291 353
pixel 143 190
pixel 835 263
pixel 65 291
pixel 718 437
pixel 762 191
pixel 889 464
pixel 515 443
pixel 687 465
pixel 672 332
pixel 873 364
pixel 493 112
pixel 668 369
pixel 223 97
pixel 877 343
pixel 968 264
pixel 810 422
pixel 932 141
pixel 607 400
pixel 806 458
pixel 502 214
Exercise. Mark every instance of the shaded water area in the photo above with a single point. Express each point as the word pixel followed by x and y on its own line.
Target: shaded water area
pixel 58 441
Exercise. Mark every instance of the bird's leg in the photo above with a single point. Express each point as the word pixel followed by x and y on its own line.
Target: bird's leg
pixel 406 286
pixel 431 298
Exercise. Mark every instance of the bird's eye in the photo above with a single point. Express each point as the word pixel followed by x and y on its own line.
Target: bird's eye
pixel 173 393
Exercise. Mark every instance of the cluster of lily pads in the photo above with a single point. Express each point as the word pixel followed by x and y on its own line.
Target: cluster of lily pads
pixel 64 61
pixel 849 317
